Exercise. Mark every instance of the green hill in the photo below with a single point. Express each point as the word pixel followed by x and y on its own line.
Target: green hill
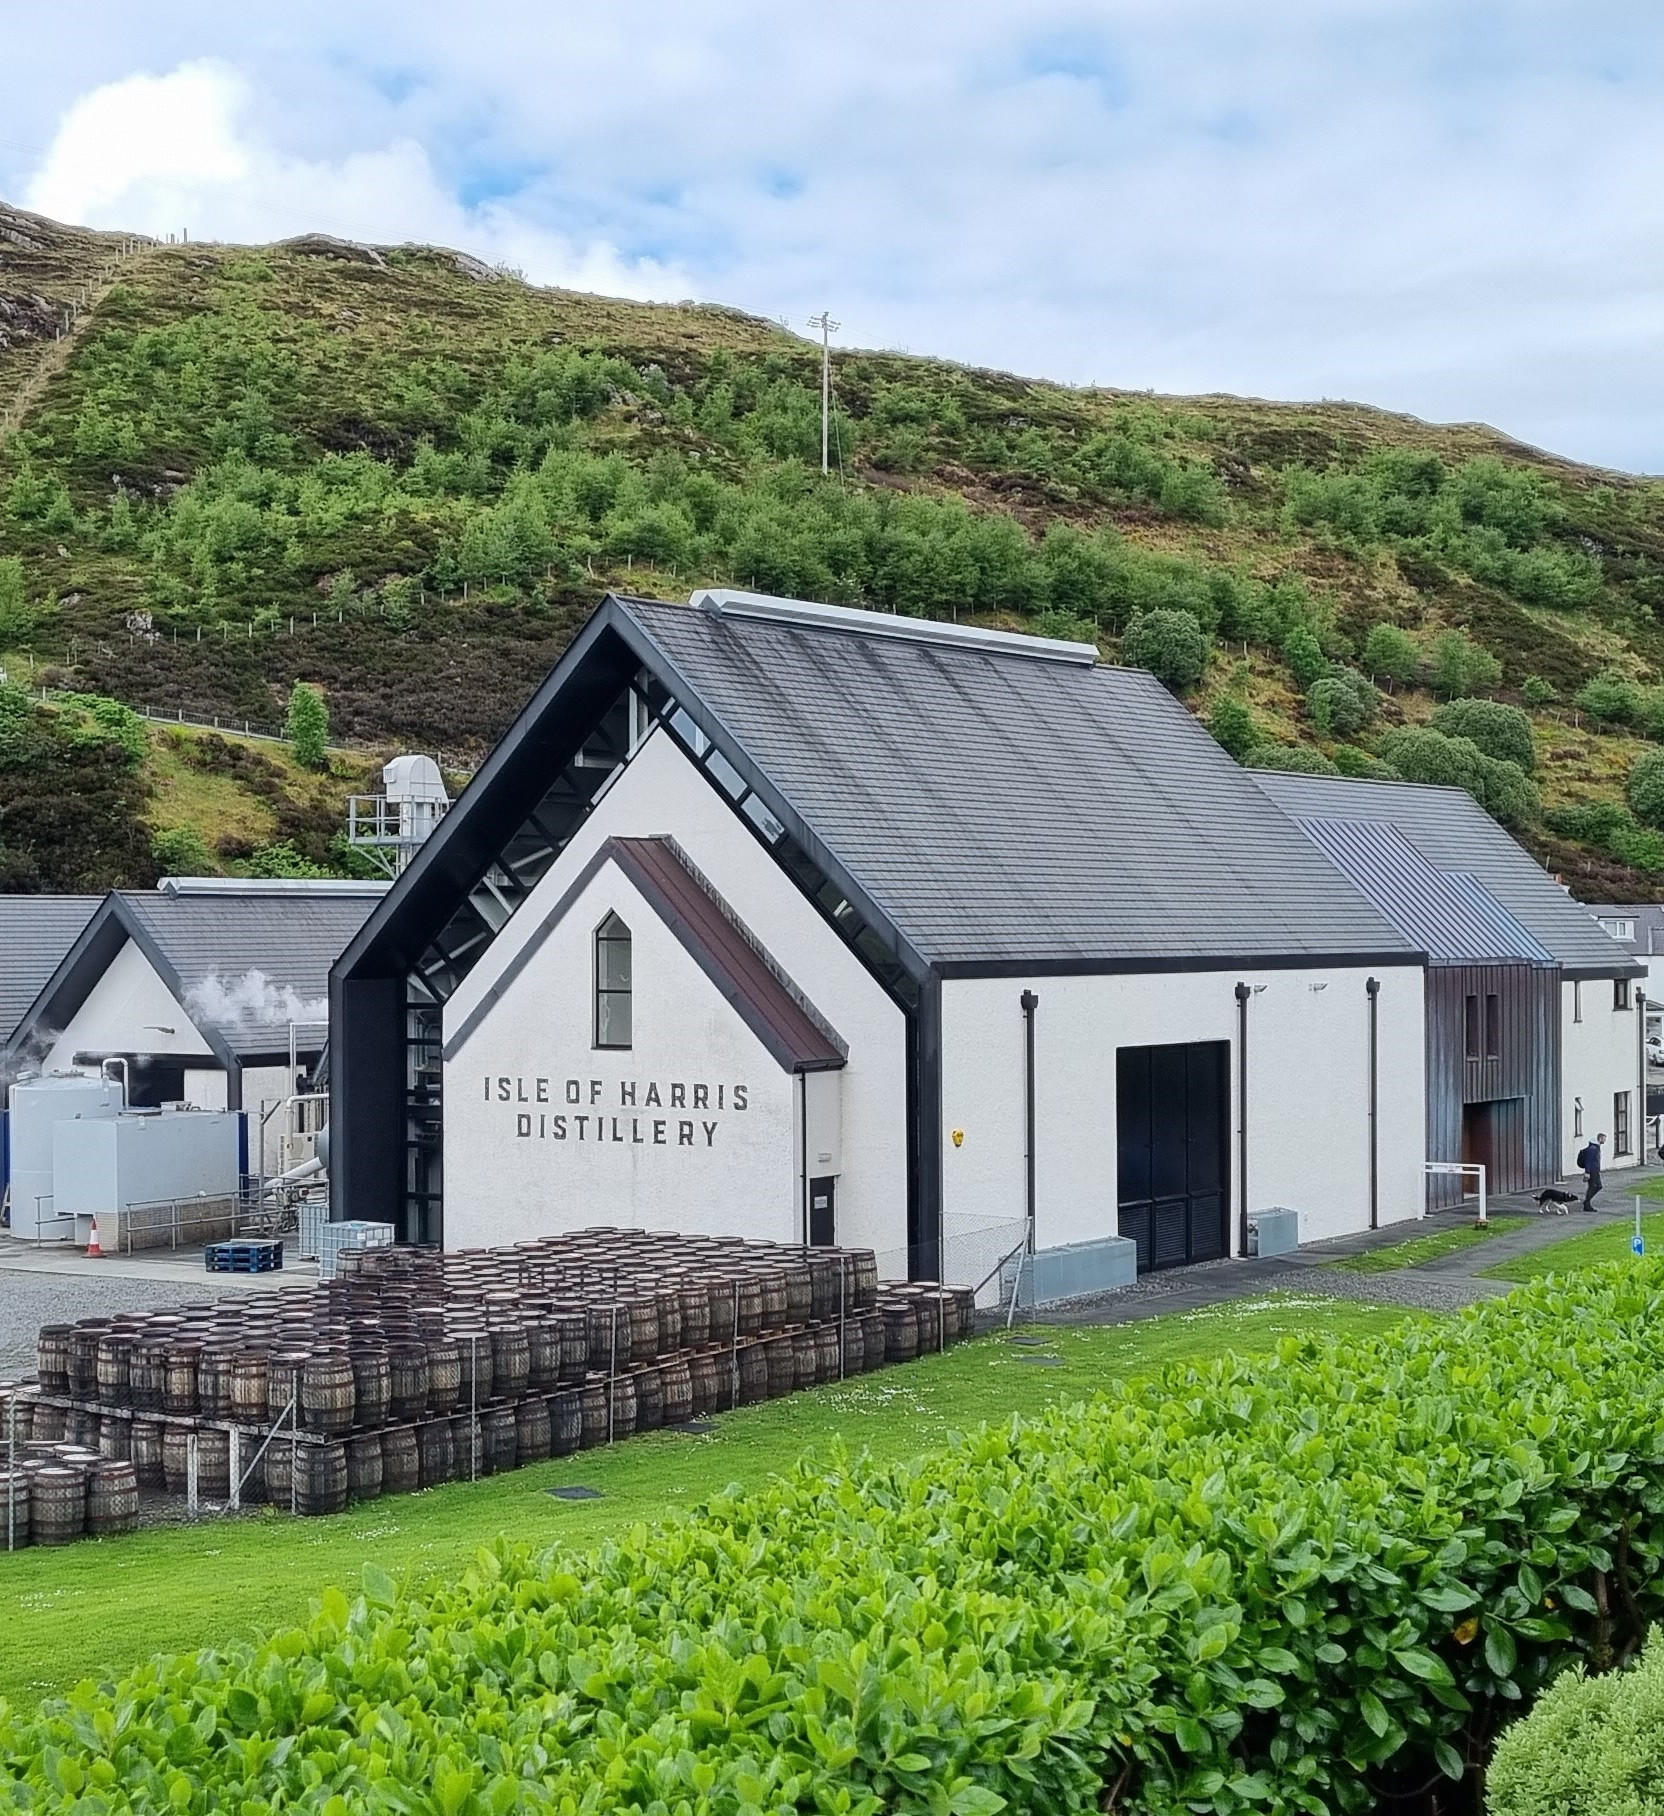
pixel 404 477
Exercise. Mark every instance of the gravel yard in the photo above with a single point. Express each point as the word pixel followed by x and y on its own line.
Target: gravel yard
pixel 28 1300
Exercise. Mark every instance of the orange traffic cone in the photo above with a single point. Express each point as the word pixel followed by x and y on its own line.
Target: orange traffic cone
pixel 94 1252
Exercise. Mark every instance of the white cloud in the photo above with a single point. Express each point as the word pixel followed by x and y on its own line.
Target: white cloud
pixel 1433 205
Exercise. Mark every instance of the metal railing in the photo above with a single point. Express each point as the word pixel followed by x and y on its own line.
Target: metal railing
pixel 163 1222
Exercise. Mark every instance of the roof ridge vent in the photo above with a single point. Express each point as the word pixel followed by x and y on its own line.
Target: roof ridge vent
pixel 727 602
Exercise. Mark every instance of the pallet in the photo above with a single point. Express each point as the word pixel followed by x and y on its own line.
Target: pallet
pixel 256 1257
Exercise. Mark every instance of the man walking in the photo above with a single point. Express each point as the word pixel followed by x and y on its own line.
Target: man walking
pixel 1589 1161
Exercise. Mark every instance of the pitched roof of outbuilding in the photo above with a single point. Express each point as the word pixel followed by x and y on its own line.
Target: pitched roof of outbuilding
pixel 35 933
pixel 1003 808
pixel 1453 833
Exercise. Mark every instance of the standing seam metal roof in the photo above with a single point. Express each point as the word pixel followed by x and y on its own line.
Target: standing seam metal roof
pixel 1454 833
pixel 998 807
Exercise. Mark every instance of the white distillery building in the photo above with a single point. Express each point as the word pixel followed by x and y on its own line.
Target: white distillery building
pixel 812 924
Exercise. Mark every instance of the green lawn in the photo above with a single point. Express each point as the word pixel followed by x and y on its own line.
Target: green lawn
pixel 93 1609
pixel 1608 1242
pixel 1420 1249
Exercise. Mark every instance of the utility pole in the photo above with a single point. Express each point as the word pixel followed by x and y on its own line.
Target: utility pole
pixel 827 327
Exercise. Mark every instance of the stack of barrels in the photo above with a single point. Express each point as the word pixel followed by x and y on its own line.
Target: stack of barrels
pixel 416 1367
pixel 52 1493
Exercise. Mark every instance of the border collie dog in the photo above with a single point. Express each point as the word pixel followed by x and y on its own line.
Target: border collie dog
pixel 1555 1203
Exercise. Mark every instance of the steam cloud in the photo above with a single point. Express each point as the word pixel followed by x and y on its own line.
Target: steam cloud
pixel 252 1000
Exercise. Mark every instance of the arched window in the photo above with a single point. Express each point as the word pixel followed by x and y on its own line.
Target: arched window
pixel 612 983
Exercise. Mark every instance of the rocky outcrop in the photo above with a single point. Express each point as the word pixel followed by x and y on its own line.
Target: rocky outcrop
pixel 327 246
pixel 24 318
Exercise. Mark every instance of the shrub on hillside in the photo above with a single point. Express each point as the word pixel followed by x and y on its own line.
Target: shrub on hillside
pixel 1296 759
pixel 1499 730
pixel 1503 789
pixel 1341 703
pixel 1236 1587
pixel 307 726
pixel 182 851
pixel 1591 1746
pixel 1391 653
pixel 1611 697
pixel 1460 666
pixel 1304 655
pixel 1645 788
pixel 1361 766
pixel 1233 724
pixel 1171 645
pixel 1538 692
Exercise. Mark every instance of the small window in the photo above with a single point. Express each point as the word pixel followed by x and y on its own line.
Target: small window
pixel 1620 993
pixel 1470 1027
pixel 1577 1117
pixel 1620 930
pixel 1620 1122
pixel 1577 1002
pixel 612 983
pixel 1493 1027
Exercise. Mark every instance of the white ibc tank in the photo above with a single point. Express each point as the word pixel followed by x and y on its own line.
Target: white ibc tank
pixel 37 1106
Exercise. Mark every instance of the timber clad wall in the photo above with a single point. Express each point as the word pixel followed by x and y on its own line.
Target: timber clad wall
pixel 1515 1067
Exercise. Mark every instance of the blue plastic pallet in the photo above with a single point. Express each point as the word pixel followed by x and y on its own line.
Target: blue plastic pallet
pixel 258 1257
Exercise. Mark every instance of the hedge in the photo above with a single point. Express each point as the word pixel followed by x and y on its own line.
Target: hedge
pixel 1287 1584
pixel 1594 1746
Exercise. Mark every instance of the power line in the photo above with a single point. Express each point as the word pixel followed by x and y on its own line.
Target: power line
pixel 827 327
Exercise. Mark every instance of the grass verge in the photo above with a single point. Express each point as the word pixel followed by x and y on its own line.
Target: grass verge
pixel 1421 1249
pixel 1607 1242
pixel 96 1608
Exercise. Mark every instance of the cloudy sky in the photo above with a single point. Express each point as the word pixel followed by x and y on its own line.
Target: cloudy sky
pixel 1438 206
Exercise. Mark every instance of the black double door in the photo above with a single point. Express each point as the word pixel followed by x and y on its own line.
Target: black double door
pixel 1173 1130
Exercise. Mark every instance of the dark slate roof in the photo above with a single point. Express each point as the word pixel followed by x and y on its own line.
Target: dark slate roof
pixel 1647 918
pixel 1446 912
pixel 724 948
pixel 1454 833
pixel 246 964
pixel 999 808
pixel 35 933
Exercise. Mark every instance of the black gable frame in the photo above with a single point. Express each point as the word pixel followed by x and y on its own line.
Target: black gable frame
pixel 112 926
pixel 367 1005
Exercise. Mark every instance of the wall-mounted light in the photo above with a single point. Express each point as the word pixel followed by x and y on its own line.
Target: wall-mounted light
pixel 1314 988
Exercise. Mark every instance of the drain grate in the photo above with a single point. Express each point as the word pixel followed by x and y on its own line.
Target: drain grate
pixel 576 1494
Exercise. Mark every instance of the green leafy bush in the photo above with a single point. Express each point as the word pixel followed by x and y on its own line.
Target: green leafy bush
pixel 1391 653
pixel 1461 666
pixel 1170 644
pixel 1304 655
pixel 1503 789
pixel 1537 691
pixel 1240 1588
pixel 1499 730
pixel 1360 765
pixel 1233 724
pixel 1606 826
pixel 1591 1746
pixel 1297 759
pixel 1610 697
pixel 1341 703
pixel 1645 788
pixel 182 851
pixel 307 726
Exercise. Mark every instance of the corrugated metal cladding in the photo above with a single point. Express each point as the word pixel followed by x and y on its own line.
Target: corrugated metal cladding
pixel 1452 916
pixel 1453 832
pixel 1522 1083
pixel 36 933
pixel 997 807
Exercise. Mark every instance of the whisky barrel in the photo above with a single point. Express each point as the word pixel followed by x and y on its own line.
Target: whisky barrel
pixel 213 1380
pixel 14 1508
pixel 854 1349
pixel 623 1408
pixel 722 1307
pixel 114 1365
pixel 251 1489
pixel 179 1387
pixel 676 1376
pixel 82 1427
pixel 669 1301
pixel 401 1461
pixel 248 1385
pixel 83 1357
pixel 566 1421
pixel 467 1446
pixel 499 1441
pixel 780 1359
pixel 47 1425
pixel 57 1504
pixel 112 1499
pixel 649 1397
pixel 927 1305
pixel 693 1304
pixel 213 1464
pixel 964 1298
pixel 17 1418
pixel 866 1277
pixel 52 1358
pixel 800 1298
pixel 147 1455
pixel 326 1392
pixel 803 1358
pixel 147 1370
pixel 321 1478
pixel 644 1328
pixel 901 1331
pixel 364 1466
pixel 473 1348
pixel 532 1435
pixel 436 1451
pixel 754 1373
pixel 775 1307
pixel 827 1354
pixel 511 1359
pixel 542 1353
pixel 444 1373
pixel 407 1381
pixel 115 1440
pixel 706 1369
pixel 371 1384
pixel 609 1330
pixel 574 1346
pixel 872 1341
pixel 285 1369
pixel 594 1412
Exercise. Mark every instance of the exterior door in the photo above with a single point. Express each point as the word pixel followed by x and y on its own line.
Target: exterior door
pixel 823 1211
pixel 1173 1132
